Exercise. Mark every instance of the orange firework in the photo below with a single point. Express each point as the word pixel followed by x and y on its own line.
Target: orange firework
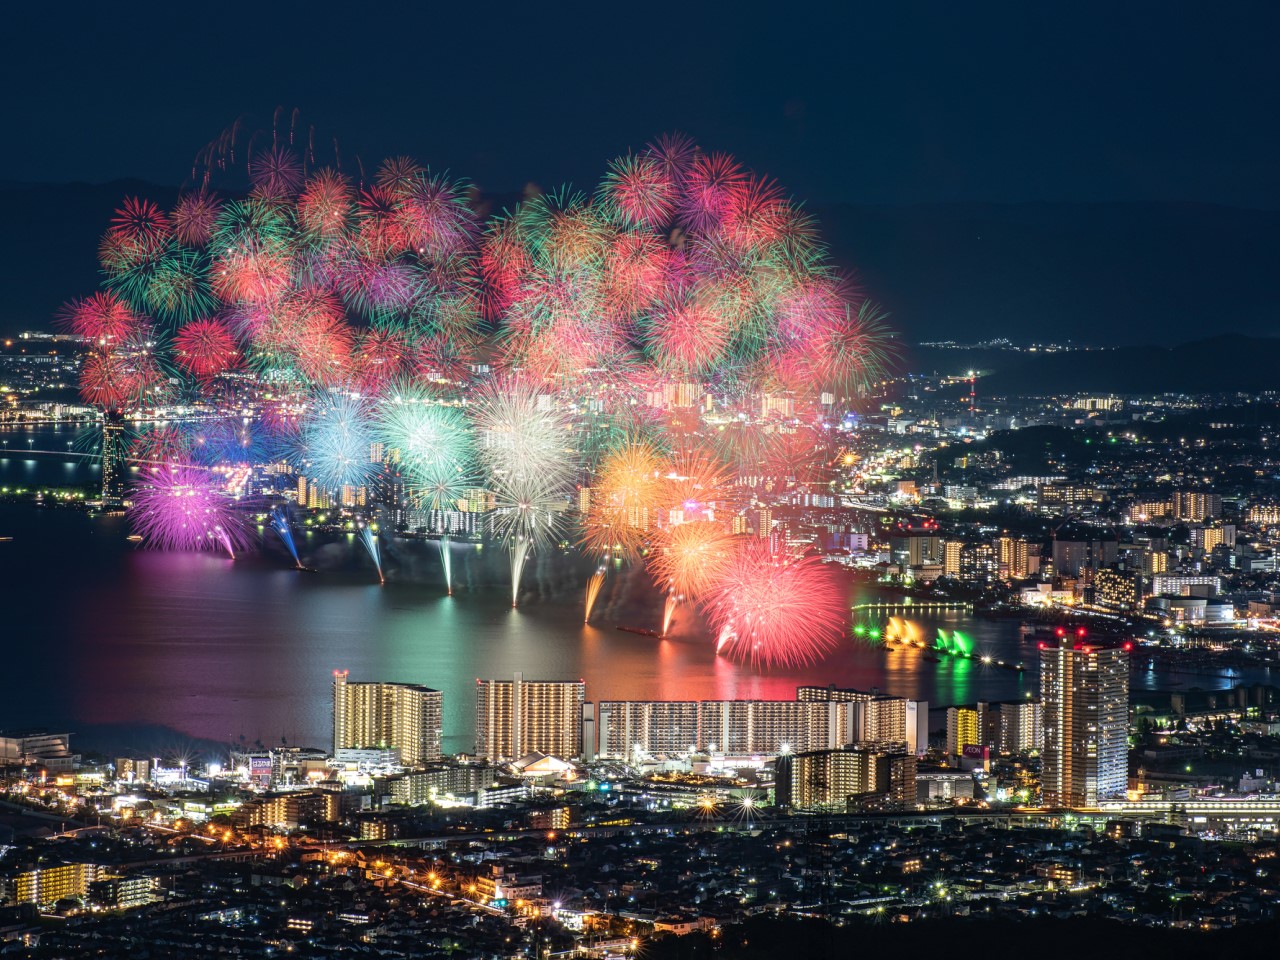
pixel 689 558
pixel 695 481
pixel 624 499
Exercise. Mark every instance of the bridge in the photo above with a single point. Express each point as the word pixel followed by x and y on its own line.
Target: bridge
pixel 914 606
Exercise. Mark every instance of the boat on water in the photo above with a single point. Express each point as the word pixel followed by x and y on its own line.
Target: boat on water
pixel 134 538
pixel 641 631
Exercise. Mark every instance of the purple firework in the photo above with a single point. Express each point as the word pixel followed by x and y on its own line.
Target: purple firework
pixel 185 508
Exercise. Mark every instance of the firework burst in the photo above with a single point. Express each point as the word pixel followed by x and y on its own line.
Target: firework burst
pixel 776 610
pixel 185 508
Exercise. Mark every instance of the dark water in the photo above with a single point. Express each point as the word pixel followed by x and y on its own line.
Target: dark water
pixel 129 647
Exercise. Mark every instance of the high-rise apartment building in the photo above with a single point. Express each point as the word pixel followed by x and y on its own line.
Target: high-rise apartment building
pixel 1119 590
pixel 1010 726
pixel 876 718
pixel 517 717
pixel 1194 505
pixel 831 778
pixel 114 468
pixel 652 727
pixel 403 716
pixel 820 718
pixel 1084 689
pixel 962 730
pixel 1018 558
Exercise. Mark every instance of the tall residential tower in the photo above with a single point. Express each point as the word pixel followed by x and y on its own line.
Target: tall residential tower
pixel 402 716
pixel 1084 689
pixel 517 717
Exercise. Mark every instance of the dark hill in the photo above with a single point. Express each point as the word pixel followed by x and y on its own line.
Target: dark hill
pixel 1223 363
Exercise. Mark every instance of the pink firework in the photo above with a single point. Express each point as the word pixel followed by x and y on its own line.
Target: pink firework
pixel 205 348
pixel 775 609
pixel 675 152
pixel 184 508
pixel 434 218
pixel 276 172
pixel 712 183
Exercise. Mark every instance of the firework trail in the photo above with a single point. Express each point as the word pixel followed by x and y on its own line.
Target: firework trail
pixel 280 523
pixel 446 561
pixel 593 591
pixel 369 537
pixel 669 612
pixel 776 610
pixel 184 508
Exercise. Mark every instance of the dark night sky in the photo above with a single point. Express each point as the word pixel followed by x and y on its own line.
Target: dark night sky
pixel 885 102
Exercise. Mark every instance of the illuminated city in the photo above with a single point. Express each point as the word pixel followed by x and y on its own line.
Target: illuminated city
pixel 451 546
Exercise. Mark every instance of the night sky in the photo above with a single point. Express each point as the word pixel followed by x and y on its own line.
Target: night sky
pixel 858 102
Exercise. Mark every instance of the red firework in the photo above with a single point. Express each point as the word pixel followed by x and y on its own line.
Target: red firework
pixel 503 261
pixel 378 357
pixel 141 223
pixel 687 338
pixel 775 609
pixel 325 206
pixel 114 381
pixel 442 358
pixel 251 276
pixel 102 318
pixel 381 230
pixel 194 216
pixel 162 445
pixel 205 348
pixel 635 271
pixel 322 348
pixel 756 213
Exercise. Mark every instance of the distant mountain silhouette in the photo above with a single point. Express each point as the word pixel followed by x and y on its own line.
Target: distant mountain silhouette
pixel 1219 364
pixel 1116 273
pixel 1096 273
